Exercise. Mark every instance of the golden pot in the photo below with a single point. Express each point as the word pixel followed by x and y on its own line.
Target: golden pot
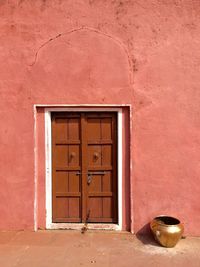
pixel 166 230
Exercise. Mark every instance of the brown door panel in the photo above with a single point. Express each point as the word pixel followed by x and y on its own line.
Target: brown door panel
pixel 84 148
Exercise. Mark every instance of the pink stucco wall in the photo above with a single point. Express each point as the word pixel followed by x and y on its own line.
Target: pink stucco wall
pixel 141 53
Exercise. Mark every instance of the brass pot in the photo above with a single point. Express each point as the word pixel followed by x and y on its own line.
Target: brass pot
pixel 166 230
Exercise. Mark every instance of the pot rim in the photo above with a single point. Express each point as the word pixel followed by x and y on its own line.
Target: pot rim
pixel 156 219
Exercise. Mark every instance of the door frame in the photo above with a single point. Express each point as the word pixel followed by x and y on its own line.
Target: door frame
pixel 48 169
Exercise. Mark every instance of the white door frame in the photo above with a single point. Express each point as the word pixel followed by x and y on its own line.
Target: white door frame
pixel 48 169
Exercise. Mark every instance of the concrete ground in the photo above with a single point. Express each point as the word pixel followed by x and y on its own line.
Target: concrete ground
pixel 72 248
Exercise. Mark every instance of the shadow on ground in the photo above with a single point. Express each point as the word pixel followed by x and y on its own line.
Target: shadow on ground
pixel 146 237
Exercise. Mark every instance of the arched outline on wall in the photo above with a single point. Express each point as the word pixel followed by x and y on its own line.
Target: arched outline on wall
pixel 114 39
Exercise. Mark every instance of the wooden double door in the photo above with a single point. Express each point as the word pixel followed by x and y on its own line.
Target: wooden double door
pixel 84 159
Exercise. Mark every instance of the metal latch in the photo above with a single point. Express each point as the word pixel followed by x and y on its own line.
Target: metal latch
pixel 89 175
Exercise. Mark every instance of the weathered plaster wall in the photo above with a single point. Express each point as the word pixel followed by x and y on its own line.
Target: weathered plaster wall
pixel 65 52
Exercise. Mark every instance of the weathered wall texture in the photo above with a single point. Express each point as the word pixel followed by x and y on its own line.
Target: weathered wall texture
pixel 138 52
